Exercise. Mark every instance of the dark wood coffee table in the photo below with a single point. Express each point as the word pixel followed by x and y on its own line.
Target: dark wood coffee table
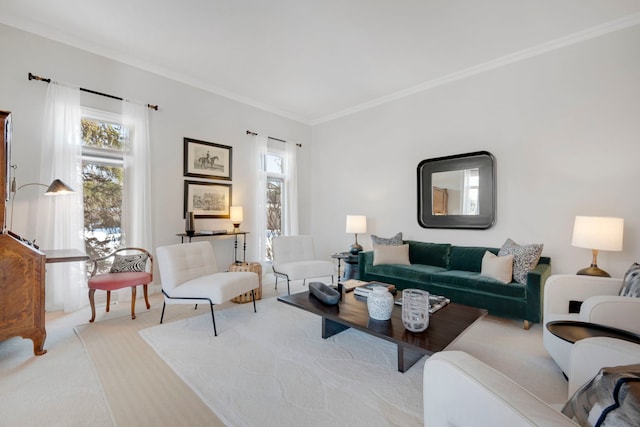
pixel 445 325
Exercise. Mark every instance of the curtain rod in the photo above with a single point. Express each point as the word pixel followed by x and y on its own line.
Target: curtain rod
pixel 42 79
pixel 249 132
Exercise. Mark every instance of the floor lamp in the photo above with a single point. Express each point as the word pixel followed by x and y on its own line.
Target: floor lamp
pixel 57 187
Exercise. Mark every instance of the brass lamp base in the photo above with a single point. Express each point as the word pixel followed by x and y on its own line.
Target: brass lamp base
pixel 355 249
pixel 593 270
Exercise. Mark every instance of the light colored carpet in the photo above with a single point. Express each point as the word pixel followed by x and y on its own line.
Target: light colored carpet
pixel 273 368
pixel 139 387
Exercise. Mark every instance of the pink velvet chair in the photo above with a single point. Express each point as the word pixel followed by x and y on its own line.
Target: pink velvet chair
pixel 131 267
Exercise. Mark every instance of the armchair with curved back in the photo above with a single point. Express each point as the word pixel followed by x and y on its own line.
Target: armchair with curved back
pixel 131 267
pixel 294 258
pixel 599 302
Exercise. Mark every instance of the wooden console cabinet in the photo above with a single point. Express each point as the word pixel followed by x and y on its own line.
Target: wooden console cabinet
pixel 22 269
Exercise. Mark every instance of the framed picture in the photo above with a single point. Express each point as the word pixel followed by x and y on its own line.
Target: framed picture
pixel 207 199
pixel 207 160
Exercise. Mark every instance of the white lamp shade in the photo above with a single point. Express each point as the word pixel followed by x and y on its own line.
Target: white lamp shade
pixel 356 224
pixel 236 214
pixel 600 233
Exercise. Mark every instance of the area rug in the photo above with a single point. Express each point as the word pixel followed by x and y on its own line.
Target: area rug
pixel 273 368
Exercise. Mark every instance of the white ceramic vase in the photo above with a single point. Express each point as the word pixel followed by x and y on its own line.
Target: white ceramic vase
pixel 380 303
pixel 415 309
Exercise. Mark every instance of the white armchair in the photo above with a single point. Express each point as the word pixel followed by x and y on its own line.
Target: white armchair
pixel 460 390
pixel 600 304
pixel 294 259
pixel 190 275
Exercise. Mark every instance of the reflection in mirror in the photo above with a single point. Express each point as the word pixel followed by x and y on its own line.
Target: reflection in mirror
pixel 456 192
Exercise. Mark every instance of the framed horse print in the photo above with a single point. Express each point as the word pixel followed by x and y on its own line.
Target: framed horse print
pixel 207 160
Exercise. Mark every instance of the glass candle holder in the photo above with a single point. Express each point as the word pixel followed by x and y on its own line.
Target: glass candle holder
pixel 415 309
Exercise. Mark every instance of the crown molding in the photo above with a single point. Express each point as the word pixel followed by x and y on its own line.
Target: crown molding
pixel 540 49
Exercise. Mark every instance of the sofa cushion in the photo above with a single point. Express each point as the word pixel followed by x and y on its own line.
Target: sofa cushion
pixel 458 278
pixel 468 258
pixel 525 258
pixel 416 272
pixel 435 254
pixel 384 254
pixel 383 241
pixel 497 267
pixel 631 282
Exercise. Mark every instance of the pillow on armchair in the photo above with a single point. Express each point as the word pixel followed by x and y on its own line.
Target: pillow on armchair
pixel 611 398
pixel 631 282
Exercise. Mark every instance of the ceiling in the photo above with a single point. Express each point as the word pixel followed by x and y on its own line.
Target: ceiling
pixel 314 60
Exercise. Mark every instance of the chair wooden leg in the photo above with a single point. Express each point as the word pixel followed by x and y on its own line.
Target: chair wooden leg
pixel 108 300
pixel 146 297
pixel 93 304
pixel 526 325
pixel 133 302
pixel 253 298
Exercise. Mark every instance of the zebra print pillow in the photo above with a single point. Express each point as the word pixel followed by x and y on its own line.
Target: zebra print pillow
pixel 124 263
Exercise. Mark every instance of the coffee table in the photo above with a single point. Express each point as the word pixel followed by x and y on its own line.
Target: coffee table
pixel 445 325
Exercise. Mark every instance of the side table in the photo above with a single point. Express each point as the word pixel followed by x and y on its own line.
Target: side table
pixel 572 331
pixel 350 265
pixel 255 267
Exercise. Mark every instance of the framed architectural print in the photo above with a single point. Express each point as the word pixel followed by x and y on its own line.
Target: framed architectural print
pixel 207 160
pixel 207 199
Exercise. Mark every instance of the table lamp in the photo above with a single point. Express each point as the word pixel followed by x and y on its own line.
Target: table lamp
pixel 236 216
pixel 356 224
pixel 597 234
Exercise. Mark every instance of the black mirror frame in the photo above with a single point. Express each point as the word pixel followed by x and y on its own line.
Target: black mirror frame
pixel 485 162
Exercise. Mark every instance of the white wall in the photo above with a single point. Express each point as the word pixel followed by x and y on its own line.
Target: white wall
pixel 564 128
pixel 184 112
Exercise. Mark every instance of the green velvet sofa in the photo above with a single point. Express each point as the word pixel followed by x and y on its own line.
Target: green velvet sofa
pixel 454 271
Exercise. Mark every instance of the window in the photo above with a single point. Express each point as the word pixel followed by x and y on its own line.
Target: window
pixel 274 164
pixel 103 138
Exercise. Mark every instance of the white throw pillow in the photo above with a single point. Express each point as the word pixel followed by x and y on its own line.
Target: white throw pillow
pixel 497 267
pixel 391 255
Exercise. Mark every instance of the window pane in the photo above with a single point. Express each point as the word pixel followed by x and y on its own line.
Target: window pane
pixel 274 163
pixel 102 208
pixel 101 134
pixel 274 212
pixel 103 175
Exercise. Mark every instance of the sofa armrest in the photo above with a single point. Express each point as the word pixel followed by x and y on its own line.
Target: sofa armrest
pixel 364 259
pixel 460 390
pixel 589 355
pixel 561 288
pixel 615 311
pixel 536 282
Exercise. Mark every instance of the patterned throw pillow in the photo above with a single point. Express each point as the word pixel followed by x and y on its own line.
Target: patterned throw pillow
pixel 123 263
pixel 392 241
pixel 525 258
pixel 631 282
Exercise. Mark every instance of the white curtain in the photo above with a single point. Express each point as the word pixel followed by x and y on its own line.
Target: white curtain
pixel 259 208
pixel 60 219
pixel 137 222
pixel 291 191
